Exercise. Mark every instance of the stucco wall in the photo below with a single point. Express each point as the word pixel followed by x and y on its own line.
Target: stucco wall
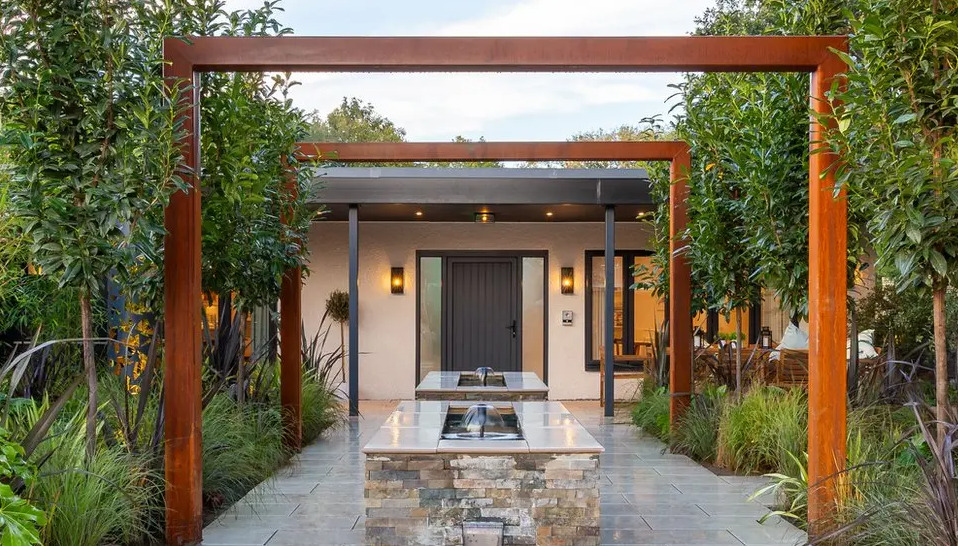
pixel 387 326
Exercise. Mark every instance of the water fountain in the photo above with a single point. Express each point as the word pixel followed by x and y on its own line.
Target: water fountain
pixel 484 384
pixel 481 422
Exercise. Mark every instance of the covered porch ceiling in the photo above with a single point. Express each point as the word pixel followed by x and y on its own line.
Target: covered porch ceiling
pixel 390 194
pixel 501 213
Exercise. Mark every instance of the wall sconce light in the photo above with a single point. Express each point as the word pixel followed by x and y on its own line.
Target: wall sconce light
pixel 484 218
pixel 766 337
pixel 698 339
pixel 397 280
pixel 567 275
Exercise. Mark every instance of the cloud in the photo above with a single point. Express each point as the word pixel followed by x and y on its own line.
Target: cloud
pixel 578 18
pixel 441 105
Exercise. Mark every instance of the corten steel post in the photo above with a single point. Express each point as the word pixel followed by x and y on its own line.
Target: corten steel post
pixel 290 338
pixel 508 54
pixel 827 233
pixel 680 289
pixel 181 379
pixel 291 359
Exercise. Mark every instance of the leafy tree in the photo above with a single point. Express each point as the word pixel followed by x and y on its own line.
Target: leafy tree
pixel 254 206
pixel 897 125
pixel 354 121
pixel 90 136
pixel 464 164
pixel 749 137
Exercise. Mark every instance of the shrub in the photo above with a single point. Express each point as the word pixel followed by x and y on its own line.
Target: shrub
pixel 697 431
pixel 19 519
pixel 241 448
pixel 651 413
pixel 763 431
pixel 322 408
pixel 111 499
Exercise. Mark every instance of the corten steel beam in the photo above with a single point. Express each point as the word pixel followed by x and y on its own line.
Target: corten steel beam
pixel 827 233
pixel 404 152
pixel 508 54
pixel 187 57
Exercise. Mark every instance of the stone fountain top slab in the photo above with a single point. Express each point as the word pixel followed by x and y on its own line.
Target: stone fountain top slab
pixel 547 427
pixel 516 382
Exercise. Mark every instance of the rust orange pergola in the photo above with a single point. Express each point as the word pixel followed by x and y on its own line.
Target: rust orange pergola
pixel 188 58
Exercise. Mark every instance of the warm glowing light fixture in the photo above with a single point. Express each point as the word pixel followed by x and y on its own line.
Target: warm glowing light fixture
pixel 549 214
pixel 485 218
pixel 567 275
pixel 418 213
pixel 766 338
pixel 397 280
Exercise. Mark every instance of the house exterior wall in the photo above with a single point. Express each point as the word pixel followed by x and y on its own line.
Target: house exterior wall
pixel 387 322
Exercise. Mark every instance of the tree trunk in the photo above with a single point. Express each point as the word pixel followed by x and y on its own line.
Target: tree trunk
pixel 941 357
pixel 852 377
pixel 89 365
pixel 241 359
pixel 738 350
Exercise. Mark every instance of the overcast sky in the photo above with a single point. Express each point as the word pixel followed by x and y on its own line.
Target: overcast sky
pixel 494 106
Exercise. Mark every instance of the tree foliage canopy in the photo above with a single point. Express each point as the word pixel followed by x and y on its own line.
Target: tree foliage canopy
pixel 89 133
pixel 255 215
pixel 749 179
pixel 897 125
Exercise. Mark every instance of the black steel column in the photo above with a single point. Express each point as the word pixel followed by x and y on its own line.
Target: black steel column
pixel 609 318
pixel 353 310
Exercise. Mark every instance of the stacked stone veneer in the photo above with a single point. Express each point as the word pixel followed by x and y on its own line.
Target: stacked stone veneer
pixel 542 499
pixel 487 396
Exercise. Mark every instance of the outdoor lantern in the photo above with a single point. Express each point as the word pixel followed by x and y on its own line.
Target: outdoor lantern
pixel 697 341
pixel 568 280
pixel 397 280
pixel 485 218
pixel 766 336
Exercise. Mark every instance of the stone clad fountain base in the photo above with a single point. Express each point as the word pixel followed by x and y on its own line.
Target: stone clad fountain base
pixel 541 498
pixel 529 466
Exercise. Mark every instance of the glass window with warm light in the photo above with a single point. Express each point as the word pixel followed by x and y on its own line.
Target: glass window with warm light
pixel 637 314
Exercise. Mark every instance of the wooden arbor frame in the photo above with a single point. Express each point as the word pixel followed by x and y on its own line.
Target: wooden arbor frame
pixel 188 59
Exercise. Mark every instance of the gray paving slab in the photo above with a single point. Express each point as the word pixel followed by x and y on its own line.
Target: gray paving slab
pixel 648 496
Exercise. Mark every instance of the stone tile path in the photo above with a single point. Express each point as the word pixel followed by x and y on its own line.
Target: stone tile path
pixel 648 497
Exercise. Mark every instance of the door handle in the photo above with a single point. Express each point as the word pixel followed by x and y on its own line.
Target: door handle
pixel 512 327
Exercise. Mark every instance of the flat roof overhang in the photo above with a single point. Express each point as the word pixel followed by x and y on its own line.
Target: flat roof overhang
pixel 456 194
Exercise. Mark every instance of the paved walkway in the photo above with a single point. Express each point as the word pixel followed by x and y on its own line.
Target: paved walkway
pixel 648 497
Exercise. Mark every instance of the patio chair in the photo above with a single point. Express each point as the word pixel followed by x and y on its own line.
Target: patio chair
pixel 791 369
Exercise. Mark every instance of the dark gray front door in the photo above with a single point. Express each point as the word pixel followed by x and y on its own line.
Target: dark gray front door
pixel 481 313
